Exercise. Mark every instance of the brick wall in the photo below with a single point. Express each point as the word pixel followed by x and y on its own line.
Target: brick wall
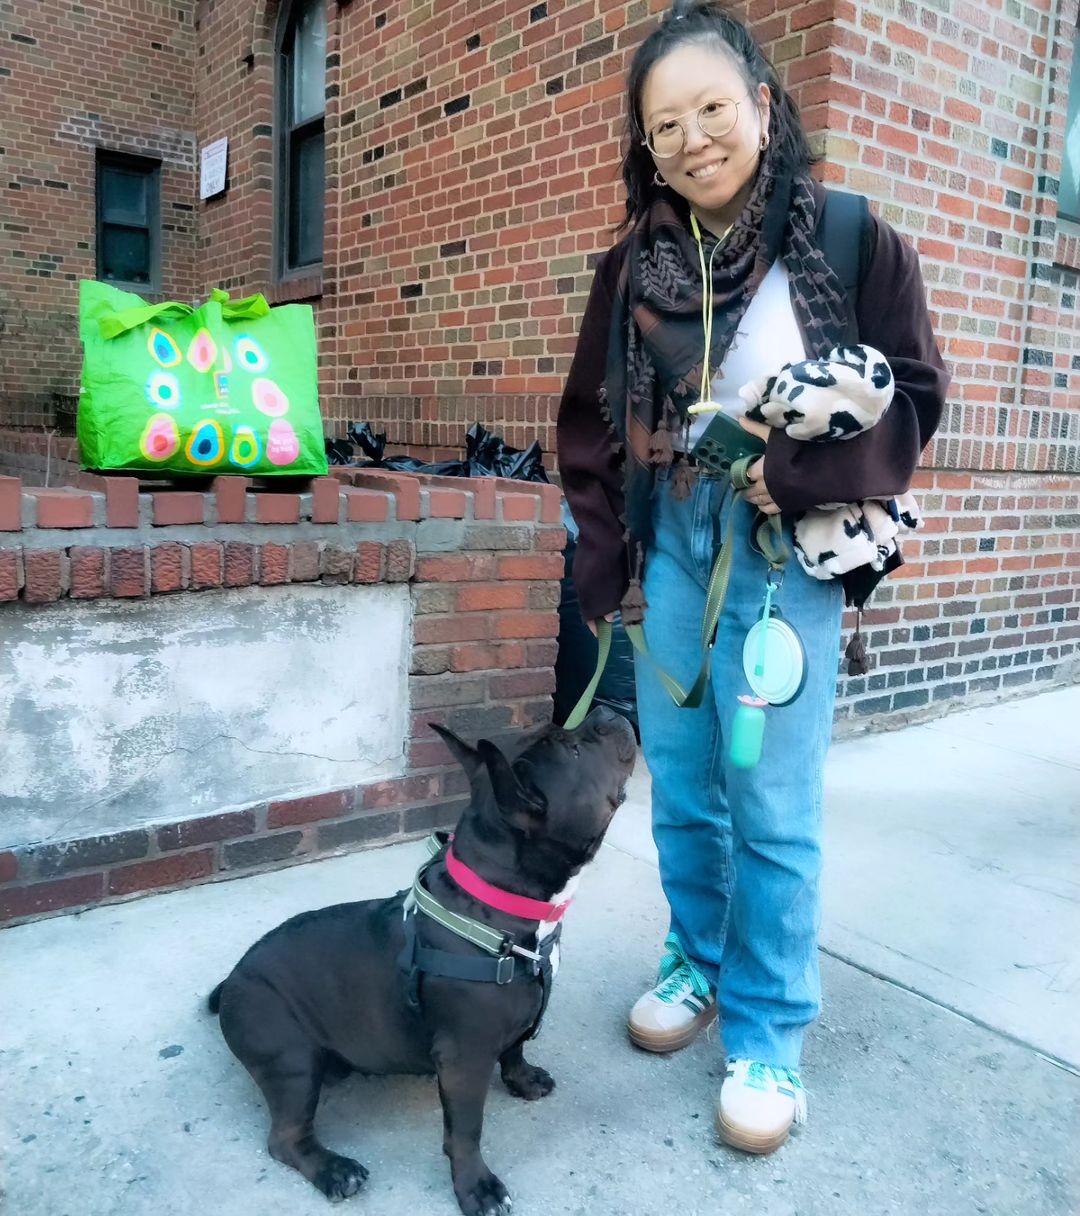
pixel 472 180
pixel 75 78
pixel 482 561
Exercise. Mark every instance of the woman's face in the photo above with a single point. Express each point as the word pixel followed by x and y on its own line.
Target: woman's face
pixel 711 172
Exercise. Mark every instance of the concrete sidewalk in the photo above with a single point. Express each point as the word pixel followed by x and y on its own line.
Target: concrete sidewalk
pixel 943 1075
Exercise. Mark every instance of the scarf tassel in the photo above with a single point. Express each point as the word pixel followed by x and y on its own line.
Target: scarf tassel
pixel 682 484
pixel 633 604
pixel 858 658
pixel 661 451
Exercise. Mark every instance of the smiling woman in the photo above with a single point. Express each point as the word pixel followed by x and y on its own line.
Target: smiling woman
pixel 721 284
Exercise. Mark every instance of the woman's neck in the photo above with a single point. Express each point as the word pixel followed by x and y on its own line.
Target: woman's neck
pixel 720 221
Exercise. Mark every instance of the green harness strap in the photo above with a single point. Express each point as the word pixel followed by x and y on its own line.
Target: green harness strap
pixel 770 540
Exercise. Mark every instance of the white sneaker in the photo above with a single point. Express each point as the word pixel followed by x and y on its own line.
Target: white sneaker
pixel 677 1008
pixel 758 1105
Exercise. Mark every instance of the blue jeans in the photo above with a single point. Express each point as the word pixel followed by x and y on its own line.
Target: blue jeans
pixel 740 849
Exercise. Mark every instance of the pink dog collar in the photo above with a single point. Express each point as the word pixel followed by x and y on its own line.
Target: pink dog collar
pixel 494 897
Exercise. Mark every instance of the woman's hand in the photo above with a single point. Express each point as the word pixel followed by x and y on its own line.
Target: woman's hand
pixel 610 616
pixel 758 492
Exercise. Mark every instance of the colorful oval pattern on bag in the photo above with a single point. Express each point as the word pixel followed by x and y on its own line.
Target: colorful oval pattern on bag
pixel 163 389
pixel 268 398
pixel 202 352
pixel 250 355
pixel 163 349
pixel 160 438
pixel 206 444
pixel 244 450
pixel 282 445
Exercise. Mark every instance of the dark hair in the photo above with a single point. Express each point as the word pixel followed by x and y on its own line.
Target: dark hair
pixel 705 21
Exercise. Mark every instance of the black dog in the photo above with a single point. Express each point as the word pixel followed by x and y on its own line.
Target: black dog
pixel 333 991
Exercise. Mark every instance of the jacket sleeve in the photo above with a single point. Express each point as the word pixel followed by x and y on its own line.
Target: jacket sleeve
pixel 893 317
pixel 589 462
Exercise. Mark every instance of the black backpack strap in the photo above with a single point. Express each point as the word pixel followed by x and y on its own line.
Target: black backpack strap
pixel 843 235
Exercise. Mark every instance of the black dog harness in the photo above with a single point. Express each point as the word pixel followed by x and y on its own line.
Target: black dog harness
pixel 502 962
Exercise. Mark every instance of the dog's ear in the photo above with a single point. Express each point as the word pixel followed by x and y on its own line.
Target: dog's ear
pixel 521 806
pixel 468 757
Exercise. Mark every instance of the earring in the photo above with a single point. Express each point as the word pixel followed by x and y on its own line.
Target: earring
pixel 764 141
pixel 658 180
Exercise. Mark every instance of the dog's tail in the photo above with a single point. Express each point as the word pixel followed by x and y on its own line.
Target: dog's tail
pixel 213 1001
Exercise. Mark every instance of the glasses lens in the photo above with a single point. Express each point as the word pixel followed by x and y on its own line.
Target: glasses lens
pixel 716 118
pixel 666 139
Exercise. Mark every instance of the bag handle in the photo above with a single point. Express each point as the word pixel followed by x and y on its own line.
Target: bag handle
pixel 113 324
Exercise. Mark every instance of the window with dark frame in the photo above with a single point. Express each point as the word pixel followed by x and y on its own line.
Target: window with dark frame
pixel 1069 191
pixel 301 180
pixel 128 220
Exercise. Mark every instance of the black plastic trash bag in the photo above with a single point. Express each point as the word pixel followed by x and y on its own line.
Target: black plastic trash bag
pixel 576 659
pixel 488 456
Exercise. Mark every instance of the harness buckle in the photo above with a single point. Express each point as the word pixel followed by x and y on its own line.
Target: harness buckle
pixel 504 969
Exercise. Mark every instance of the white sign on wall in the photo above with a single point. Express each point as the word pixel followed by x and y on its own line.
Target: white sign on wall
pixel 213 166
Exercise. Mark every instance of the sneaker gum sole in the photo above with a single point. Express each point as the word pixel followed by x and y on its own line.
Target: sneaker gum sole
pixel 739 1138
pixel 666 1040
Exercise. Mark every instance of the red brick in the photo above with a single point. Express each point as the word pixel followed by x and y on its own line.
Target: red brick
pixel 519 507
pixel 273 564
pixel 400 561
pixel 526 625
pixel 87 573
pixel 551 539
pixel 304 561
pixel 10 574
pixel 166 569
pixel 277 508
pixel 178 507
pixel 481 597
pixel 9 866
pixel 547 565
pixel 121 497
pixel 230 494
pixel 406 490
pixel 478 656
pixel 128 576
pixel 44 574
pixel 206 829
pixel 325 500
pixel 335 564
pixel 446 504
pixel 456 567
pixel 63 508
pixel 10 504
pixel 239 564
pixel 395 793
pixel 468 627
pixel 332 805
pixel 205 566
pixel 510 685
pixel 161 872
pixel 368 564
pixel 366 506
pixel 41 897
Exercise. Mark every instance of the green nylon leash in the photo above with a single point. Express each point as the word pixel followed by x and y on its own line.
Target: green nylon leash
pixel 770 540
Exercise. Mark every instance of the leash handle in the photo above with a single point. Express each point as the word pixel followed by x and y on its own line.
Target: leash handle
pixel 775 551
pixel 603 639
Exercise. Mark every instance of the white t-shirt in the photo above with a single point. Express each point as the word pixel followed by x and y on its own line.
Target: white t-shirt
pixel 767 338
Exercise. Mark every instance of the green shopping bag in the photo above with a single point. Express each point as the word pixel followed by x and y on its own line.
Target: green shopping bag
pixel 229 387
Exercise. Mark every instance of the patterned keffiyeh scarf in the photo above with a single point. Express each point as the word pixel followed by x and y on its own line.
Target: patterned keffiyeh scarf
pixel 656 343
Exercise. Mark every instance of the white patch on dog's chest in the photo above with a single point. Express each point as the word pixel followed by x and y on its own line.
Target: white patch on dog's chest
pixel 547 927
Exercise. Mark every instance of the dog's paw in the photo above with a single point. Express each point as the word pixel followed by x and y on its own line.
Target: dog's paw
pixel 529 1082
pixel 488 1197
pixel 340 1177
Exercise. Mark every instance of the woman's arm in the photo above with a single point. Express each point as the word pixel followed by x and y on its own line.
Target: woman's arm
pixel 880 462
pixel 588 458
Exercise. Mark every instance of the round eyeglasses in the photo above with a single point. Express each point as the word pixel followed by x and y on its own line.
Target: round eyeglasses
pixel 714 119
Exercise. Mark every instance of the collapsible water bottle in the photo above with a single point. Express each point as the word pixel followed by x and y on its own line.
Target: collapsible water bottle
pixel 747 732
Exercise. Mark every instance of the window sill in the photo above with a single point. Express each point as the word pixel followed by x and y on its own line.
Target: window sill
pixel 291 291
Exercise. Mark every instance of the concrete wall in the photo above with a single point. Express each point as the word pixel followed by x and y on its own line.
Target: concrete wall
pixel 197 684
pixel 120 714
